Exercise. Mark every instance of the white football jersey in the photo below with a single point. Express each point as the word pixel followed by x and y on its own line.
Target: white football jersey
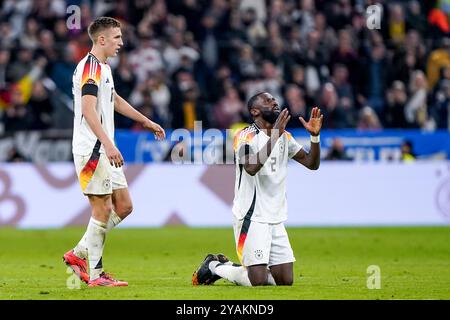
pixel 262 197
pixel 91 77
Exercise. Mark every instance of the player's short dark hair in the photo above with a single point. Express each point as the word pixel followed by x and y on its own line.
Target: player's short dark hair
pixel 100 24
pixel 252 101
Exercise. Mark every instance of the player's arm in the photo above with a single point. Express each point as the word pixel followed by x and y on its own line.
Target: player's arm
pixel 88 103
pixel 311 159
pixel 124 108
pixel 90 81
pixel 254 162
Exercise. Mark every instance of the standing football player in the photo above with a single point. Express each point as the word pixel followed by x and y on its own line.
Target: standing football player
pixel 260 207
pixel 97 160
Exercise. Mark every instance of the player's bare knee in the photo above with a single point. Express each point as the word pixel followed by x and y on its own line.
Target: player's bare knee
pixel 258 278
pixel 286 280
pixel 107 207
pixel 128 209
pixel 124 210
pixel 258 282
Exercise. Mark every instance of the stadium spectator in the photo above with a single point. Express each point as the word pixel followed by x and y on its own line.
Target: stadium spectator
pixel 20 67
pixel 375 78
pixel 397 24
pixel 296 105
pixel 145 59
pixel 124 84
pixel 337 151
pixel 124 78
pixel 229 109
pixel 4 66
pixel 368 119
pixel 438 59
pixel 147 108
pixel 396 101
pixel 246 65
pixel 407 151
pixel 440 110
pixel 17 116
pixel 175 50
pixel 346 55
pixel 416 111
pixel 326 33
pixel 187 105
pixel 415 18
pixel 160 95
pixel 344 89
pixel 47 47
pixel 256 31
pixel 40 107
pixel 272 80
pixel 278 56
pixel 337 112
pixel 62 69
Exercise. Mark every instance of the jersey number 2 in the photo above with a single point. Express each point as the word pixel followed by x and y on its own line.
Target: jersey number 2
pixel 273 163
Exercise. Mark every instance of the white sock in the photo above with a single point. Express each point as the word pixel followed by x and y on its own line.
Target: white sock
pixel 96 233
pixel 113 221
pixel 237 275
pixel 213 268
pixel 80 249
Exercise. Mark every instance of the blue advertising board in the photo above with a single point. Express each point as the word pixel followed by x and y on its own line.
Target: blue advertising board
pixel 141 147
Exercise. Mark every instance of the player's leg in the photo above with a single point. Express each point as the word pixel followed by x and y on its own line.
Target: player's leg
pixel 253 248
pixel 119 206
pixel 96 233
pixel 258 274
pixel 203 275
pixel 281 262
pixel 95 239
pixel 95 175
pixel 122 204
pixel 122 207
pixel 240 275
pixel 283 274
pixel 80 249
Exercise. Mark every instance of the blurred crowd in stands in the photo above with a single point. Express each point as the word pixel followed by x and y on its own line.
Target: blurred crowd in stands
pixel 188 60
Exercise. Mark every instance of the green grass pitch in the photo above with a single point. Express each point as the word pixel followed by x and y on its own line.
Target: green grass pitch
pixel 158 263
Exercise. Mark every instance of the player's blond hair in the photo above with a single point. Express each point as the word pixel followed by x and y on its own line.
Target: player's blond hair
pixel 101 24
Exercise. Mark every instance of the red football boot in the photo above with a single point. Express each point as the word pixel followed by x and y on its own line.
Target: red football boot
pixel 78 265
pixel 105 280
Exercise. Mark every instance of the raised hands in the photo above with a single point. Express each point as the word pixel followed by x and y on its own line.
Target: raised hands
pixel 314 124
pixel 282 120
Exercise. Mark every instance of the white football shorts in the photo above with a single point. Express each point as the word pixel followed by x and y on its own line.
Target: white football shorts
pixel 97 176
pixel 262 243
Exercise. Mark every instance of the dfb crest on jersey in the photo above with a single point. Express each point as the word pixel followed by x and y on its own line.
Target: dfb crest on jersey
pixel 106 184
pixel 259 254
